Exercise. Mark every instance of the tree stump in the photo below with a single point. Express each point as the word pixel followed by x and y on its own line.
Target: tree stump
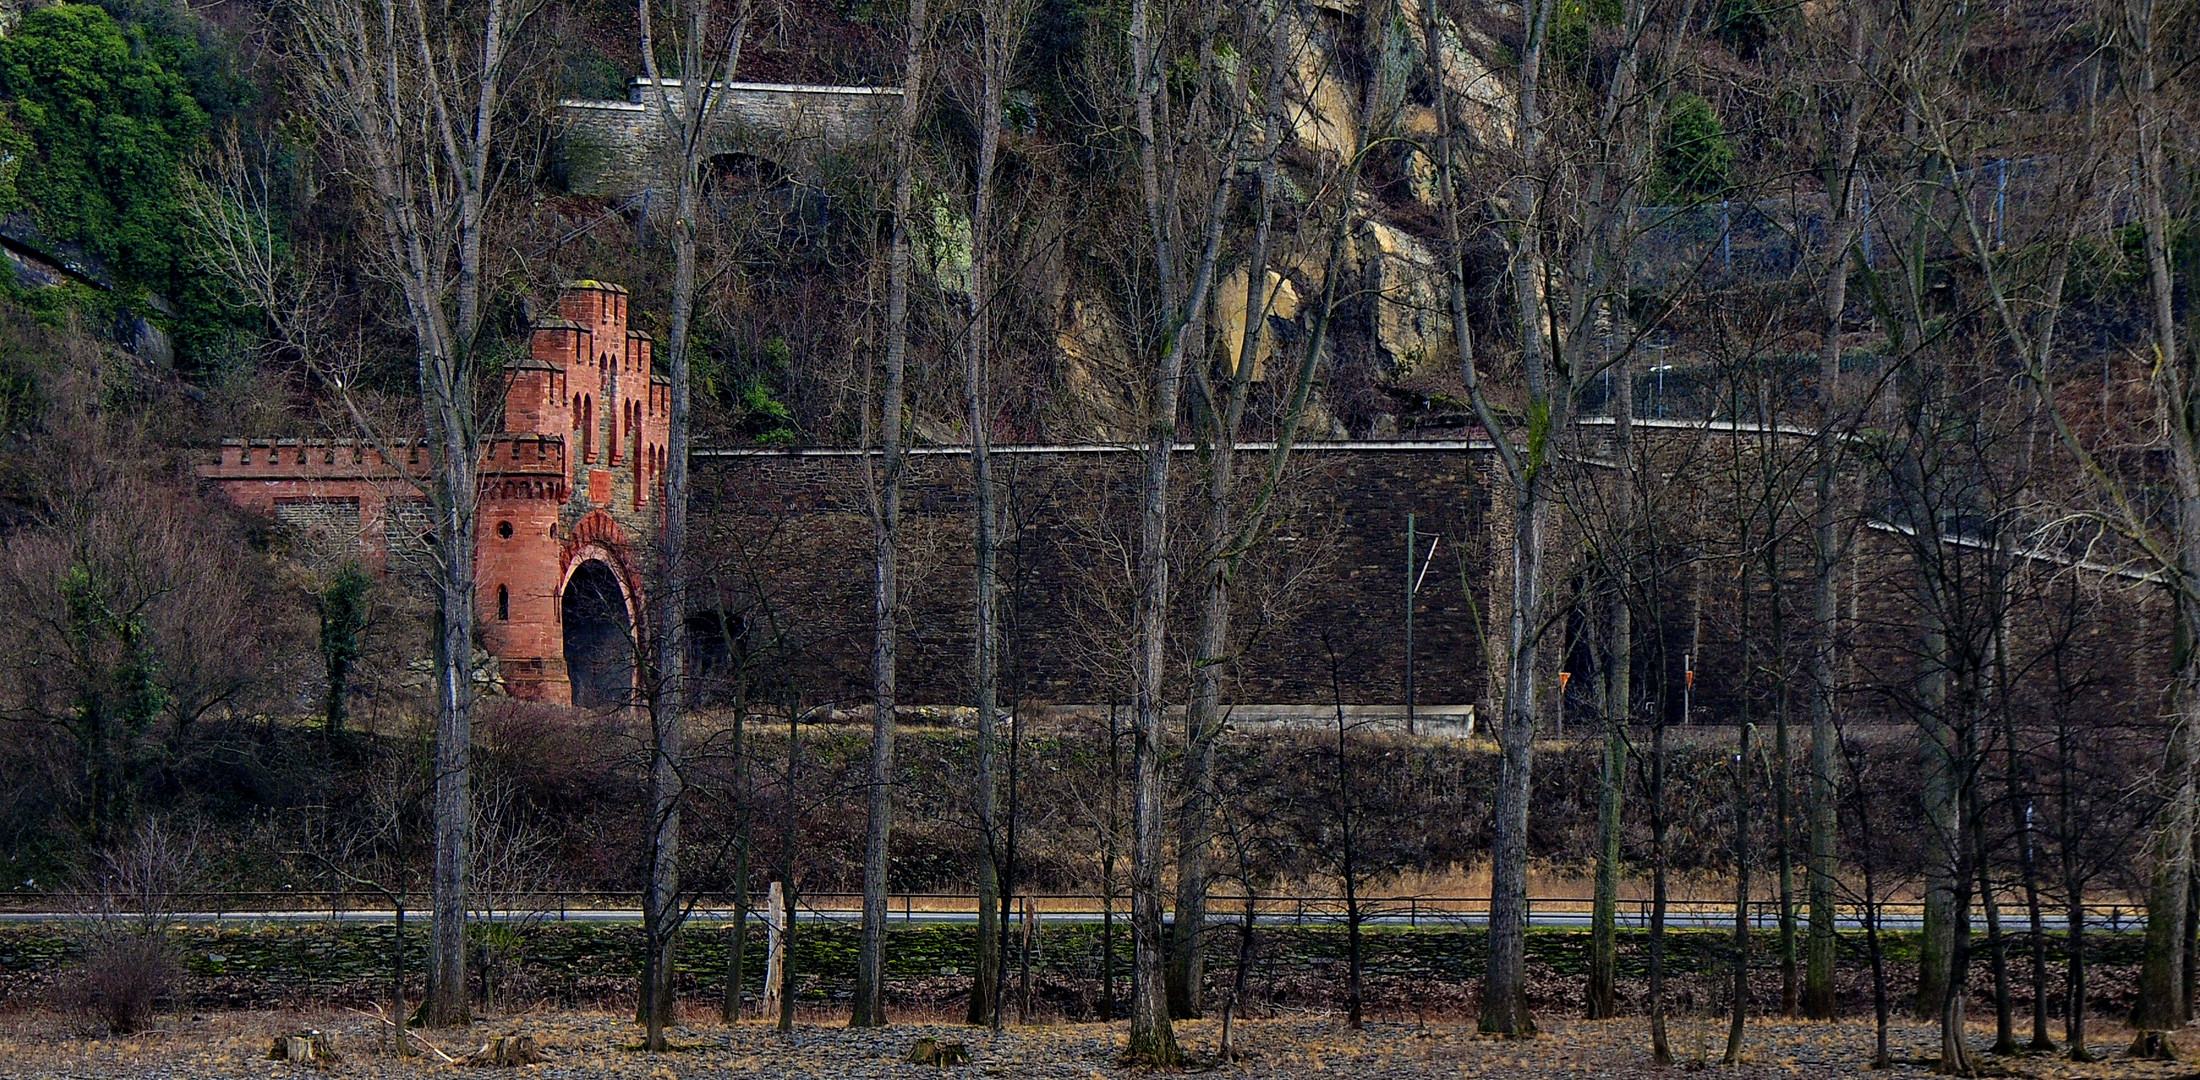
pixel 507 1051
pixel 941 1054
pixel 307 1047
pixel 2153 1046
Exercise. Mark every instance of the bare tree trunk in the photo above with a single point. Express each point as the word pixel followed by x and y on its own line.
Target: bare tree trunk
pixel 998 52
pixel 1745 730
pixel 1997 950
pixel 418 99
pixel 1108 856
pixel 1007 888
pixel 1348 850
pixel 1740 1013
pixel 1818 992
pixel 869 1006
pixel 1504 988
pixel 1619 707
pixel 2042 1042
pixel 1661 1048
pixel 1152 1038
pixel 687 127
pixel 1937 773
pixel 447 1004
pixel 2079 1001
pixel 2017 777
pixel 1783 810
pixel 1783 816
pixel 1955 1051
pixel 1882 1005
pixel 729 1009
pixel 2190 931
pixel 2160 1008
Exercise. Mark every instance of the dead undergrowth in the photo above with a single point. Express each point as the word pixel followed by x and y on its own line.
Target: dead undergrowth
pixel 602 1043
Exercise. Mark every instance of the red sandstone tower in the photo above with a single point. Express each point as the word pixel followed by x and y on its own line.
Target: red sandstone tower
pixel 568 488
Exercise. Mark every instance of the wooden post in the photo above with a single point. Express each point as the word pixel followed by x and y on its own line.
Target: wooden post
pixel 1030 957
pixel 775 956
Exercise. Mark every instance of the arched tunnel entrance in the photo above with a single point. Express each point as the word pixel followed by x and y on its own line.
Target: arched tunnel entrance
pixel 599 639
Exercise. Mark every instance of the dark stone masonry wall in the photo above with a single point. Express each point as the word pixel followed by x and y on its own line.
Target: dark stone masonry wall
pixel 617 148
pixel 1320 609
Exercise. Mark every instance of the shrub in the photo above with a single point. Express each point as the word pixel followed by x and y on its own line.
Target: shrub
pixel 111 126
pixel 129 901
pixel 1695 157
pixel 100 118
pixel 122 980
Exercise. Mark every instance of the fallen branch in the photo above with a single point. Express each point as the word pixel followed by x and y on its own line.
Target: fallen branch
pixel 416 1036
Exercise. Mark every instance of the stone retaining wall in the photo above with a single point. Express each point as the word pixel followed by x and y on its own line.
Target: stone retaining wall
pixel 1321 600
pixel 618 148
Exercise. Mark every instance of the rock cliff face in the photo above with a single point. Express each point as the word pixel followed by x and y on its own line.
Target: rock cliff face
pixel 1392 322
pixel 1075 329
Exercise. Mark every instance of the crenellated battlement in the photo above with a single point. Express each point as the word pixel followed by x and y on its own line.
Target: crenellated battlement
pixel 506 455
pixel 355 459
pixel 347 459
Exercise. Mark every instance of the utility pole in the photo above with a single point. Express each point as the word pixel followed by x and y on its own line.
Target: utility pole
pixel 1416 573
pixel 1413 545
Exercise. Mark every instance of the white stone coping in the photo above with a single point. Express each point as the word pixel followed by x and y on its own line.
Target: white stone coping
pixel 615 105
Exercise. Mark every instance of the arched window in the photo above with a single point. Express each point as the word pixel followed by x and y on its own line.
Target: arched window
pixel 504 604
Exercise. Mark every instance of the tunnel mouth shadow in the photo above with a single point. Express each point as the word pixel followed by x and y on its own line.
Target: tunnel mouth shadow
pixel 599 638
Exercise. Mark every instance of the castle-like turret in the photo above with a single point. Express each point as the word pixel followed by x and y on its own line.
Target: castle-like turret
pixel 568 485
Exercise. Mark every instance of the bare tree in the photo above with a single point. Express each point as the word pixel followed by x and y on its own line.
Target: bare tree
pixel 2144 36
pixel 1229 533
pixel 700 47
pixel 869 1003
pixel 127 903
pixel 413 98
pixel 1183 277
pixel 1849 100
pixel 999 39
pixel 370 849
pixel 1619 703
pixel 1560 288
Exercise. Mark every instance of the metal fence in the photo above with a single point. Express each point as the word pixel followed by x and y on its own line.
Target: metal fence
pixel 1730 242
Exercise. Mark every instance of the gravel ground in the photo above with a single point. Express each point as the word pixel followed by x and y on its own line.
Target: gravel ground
pixel 601 1044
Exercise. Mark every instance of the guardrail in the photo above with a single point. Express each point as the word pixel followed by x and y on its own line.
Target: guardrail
pixel 1408 910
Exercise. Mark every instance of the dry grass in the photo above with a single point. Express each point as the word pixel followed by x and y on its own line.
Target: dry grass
pixel 585 1043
